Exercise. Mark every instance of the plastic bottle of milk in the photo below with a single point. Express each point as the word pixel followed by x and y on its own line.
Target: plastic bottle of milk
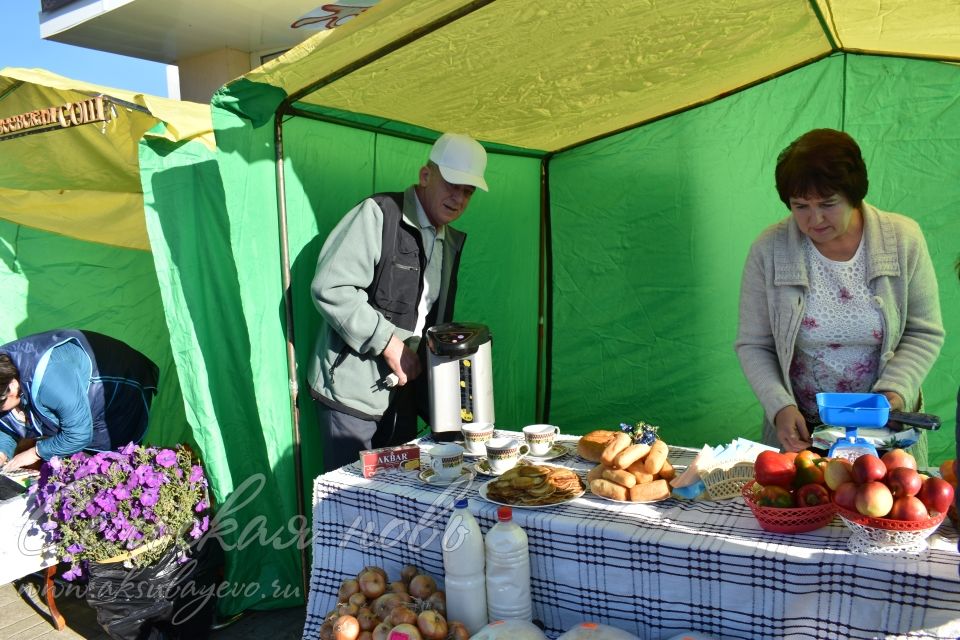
pixel 508 570
pixel 463 578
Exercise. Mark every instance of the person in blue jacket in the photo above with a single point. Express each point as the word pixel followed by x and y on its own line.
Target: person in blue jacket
pixel 71 390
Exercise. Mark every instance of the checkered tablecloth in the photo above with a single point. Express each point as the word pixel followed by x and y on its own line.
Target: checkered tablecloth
pixel 651 569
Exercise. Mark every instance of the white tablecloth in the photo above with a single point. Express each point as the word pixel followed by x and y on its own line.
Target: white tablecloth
pixel 21 543
pixel 651 569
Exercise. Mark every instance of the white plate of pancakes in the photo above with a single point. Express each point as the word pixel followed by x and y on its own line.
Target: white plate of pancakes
pixel 532 486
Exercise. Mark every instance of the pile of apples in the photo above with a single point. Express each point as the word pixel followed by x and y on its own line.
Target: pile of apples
pixel 887 487
pixel 370 607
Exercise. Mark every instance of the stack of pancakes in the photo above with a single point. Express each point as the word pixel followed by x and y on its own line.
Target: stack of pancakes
pixel 535 485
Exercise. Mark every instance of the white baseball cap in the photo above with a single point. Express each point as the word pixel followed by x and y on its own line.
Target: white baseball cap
pixel 461 159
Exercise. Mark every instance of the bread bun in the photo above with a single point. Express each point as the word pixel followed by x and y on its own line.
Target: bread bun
pixel 590 447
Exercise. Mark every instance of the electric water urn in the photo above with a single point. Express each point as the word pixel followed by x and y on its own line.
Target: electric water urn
pixel 460 376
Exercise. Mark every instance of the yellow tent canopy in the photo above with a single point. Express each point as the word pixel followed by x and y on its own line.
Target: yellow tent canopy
pixel 70 153
pixel 601 66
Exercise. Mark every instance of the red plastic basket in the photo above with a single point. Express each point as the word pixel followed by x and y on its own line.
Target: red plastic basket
pixel 788 520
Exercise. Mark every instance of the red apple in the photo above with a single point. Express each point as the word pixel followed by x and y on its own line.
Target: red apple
pixel 846 495
pixel 908 508
pixel 873 499
pixel 899 458
pixel 838 471
pixel 903 481
pixel 868 468
pixel 936 494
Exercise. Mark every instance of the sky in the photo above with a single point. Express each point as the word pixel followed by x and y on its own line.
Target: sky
pixel 22 46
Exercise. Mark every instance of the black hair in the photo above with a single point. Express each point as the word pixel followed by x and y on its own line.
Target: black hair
pixel 822 162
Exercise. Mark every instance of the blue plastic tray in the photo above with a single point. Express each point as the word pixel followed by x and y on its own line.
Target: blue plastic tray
pixel 853 409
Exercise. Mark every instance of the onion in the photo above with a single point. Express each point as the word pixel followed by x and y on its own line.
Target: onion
pixel 367 619
pixel 347 589
pixel 366 635
pixel 438 602
pixel 401 615
pixel 346 628
pixel 379 570
pixel 326 630
pixel 408 572
pixel 347 609
pixel 422 586
pixel 412 632
pixel 382 605
pixel 372 583
pixel 432 625
pixel 457 631
pixel 398 587
pixel 382 631
pixel 357 599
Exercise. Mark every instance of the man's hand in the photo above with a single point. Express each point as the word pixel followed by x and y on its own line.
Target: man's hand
pixel 23 459
pixel 792 429
pixel 401 360
pixel 3 459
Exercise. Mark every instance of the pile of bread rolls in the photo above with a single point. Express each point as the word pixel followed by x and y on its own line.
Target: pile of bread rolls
pixel 626 471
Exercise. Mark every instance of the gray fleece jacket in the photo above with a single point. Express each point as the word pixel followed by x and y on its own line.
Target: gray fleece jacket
pixel 345 269
pixel 773 297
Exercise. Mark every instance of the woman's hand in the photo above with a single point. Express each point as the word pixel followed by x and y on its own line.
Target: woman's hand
pixel 896 402
pixel 792 429
pixel 23 459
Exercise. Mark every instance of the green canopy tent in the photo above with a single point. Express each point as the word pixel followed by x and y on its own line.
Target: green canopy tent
pixel 112 219
pixel 76 251
pixel 632 147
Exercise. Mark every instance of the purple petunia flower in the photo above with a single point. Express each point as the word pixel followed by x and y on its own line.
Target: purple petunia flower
pixel 199 526
pixel 153 479
pixel 196 473
pixel 128 449
pixel 127 533
pixel 167 458
pixel 149 497
pixel 75 548
pixel 74 572
pixel 201 506
pixel 121 492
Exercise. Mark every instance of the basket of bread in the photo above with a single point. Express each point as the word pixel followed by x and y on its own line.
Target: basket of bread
pixel 627 470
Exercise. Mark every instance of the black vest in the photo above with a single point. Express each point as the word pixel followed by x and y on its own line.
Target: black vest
pixel 122 384
pixel 398 277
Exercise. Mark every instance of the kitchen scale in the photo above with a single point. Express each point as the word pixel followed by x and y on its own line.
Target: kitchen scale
pixel 864 410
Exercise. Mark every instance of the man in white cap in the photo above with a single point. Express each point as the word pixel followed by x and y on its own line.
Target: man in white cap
pixel 386 272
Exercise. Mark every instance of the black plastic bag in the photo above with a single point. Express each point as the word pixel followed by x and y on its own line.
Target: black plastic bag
pixel 167 600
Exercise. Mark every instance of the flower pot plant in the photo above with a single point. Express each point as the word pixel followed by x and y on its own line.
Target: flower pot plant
pixel 131 505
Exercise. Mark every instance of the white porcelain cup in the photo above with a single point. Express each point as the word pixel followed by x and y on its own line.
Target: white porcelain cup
pixel 446 460
pixel 540 438
pixel 503 453
pixel 476 435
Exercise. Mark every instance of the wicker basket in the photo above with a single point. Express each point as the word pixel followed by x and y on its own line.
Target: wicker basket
pixel 727 483
pixel 885 535
pixel 788 520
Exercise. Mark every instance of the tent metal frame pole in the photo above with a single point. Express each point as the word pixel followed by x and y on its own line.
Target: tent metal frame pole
pixel 291 351
pixel 545 299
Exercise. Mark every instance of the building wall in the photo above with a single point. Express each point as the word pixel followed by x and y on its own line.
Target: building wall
pixel 202 75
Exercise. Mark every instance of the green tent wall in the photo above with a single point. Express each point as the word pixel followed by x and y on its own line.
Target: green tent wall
pixel 75 250
pixel 607 255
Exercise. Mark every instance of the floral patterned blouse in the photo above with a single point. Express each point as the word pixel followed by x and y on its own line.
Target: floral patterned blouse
pixel 838 345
